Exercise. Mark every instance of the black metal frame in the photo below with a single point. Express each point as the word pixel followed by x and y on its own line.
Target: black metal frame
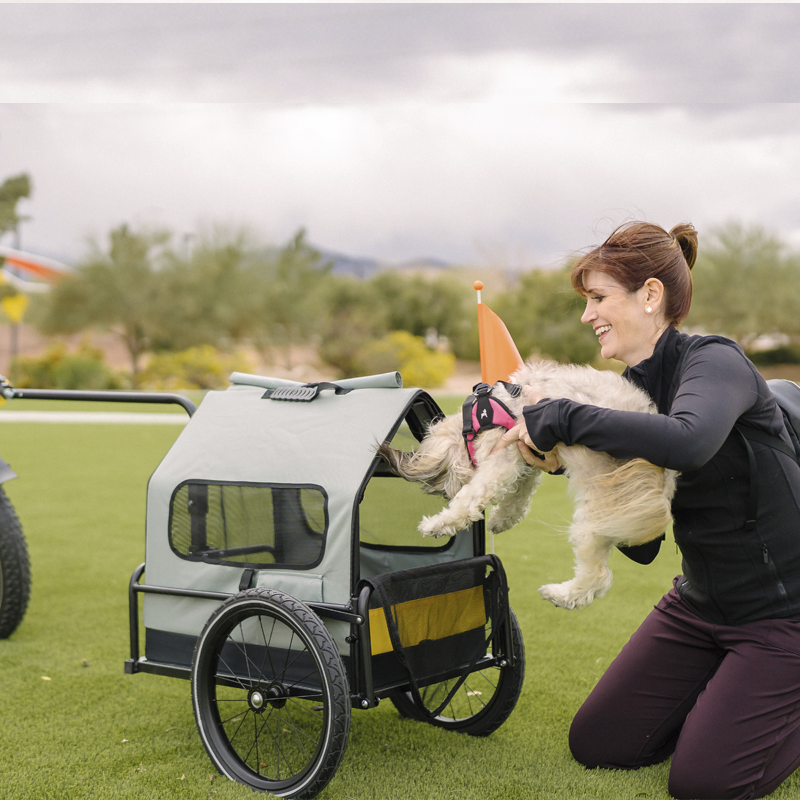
pixel 363 692
pixel 104 397
pixel 136 663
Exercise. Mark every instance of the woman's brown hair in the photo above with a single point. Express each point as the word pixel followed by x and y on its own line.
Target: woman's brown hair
pixel 638 251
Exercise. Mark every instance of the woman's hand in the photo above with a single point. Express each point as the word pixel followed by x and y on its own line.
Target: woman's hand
pixel 518 435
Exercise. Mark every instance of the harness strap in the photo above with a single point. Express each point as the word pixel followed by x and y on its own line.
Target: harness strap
pixel 775 442
pixel 481 411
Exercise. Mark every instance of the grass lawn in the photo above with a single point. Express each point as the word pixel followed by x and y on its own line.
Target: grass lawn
pixel 72 725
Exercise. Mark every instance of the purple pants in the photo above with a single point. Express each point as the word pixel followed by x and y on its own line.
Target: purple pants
pixel 723 700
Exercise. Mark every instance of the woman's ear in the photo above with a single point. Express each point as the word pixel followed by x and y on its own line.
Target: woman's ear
pixel 653 293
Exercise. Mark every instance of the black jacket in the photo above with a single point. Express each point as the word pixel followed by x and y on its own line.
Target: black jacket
pixel 703 387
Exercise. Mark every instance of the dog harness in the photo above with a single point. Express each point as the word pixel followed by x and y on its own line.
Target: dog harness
pixel 481 411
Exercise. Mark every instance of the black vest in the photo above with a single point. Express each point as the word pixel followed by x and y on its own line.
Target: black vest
pixel 732 572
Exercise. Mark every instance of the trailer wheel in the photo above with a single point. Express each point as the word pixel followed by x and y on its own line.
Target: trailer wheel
pixel 15 569
pixel 482 704
pixel 270 694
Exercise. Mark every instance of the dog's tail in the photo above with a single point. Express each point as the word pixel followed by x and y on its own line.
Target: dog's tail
pixel 398 461
pixel 422 467
pixel 441 463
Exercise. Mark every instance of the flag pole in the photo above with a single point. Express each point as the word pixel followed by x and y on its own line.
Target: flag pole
pixel 477 286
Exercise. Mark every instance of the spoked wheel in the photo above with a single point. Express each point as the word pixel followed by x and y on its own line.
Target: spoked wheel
pixel 15 569
pixel 270 694
pixel 483 702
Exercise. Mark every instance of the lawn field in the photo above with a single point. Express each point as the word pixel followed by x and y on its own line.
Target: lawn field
pixel 73 725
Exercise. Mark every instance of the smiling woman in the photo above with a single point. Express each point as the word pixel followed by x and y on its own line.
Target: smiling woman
pixel 636 285
pixel 731 621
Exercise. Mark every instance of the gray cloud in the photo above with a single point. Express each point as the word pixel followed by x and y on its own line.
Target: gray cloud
pixel 519 130
pixel 299 53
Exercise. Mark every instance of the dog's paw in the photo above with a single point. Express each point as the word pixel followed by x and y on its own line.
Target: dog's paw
pixel 499 524
pixel 566 595
pixel 431 526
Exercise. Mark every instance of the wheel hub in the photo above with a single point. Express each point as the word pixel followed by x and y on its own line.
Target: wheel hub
pixel 274 695
pixel 257 701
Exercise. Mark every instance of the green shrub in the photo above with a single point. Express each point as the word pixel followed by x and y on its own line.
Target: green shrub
pixel 60 369
pixel 409 355
pixel 196 368
pixel 785 354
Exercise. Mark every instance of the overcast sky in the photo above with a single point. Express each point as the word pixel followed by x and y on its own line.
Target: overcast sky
pixel 472 133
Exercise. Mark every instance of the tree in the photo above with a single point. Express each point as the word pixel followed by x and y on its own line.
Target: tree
pixel 119 290
pixel 416 304
pixel 745 283
pixel 12 190
pixel 293 290
pixel 208 297
pixel 353 320
pixel 542 315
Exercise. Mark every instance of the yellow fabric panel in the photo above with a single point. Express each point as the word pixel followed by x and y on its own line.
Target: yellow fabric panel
pixel 429 618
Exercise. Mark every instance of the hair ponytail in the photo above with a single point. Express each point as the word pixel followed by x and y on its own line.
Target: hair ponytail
pixel 685 235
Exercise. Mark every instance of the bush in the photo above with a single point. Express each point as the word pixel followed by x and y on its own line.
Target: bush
pixel 418 364
pixel 784 354
pixel 60 369
pixel 196 368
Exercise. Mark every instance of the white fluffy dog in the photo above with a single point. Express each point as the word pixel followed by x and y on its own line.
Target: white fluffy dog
pixel 616 501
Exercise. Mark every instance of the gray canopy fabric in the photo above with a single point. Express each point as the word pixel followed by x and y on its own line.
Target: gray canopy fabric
pixel 237 436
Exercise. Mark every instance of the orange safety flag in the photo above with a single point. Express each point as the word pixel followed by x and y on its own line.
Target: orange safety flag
pixel 32 265
pixel 499 355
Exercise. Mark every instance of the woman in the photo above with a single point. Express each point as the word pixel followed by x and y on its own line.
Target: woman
pixel 712 677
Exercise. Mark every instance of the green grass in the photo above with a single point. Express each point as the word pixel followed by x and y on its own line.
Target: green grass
pixel 90 731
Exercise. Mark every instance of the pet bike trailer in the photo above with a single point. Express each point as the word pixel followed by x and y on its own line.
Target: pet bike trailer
pixel 285 577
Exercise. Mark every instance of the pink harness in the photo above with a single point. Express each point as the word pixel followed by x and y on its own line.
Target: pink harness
pixel 481 411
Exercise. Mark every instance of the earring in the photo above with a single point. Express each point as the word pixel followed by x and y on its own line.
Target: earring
pixel 649 310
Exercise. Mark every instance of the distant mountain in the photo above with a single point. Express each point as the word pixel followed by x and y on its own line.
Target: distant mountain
pixel 364 268
pixel 359 266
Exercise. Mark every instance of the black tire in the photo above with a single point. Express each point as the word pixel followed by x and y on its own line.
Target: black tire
pixel 270 694
pixel 483 702
pixel 15 569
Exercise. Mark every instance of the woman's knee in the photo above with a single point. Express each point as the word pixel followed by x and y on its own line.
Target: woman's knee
pixel 594 742
pixel 583 741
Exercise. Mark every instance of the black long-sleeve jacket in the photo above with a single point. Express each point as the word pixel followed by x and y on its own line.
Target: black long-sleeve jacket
pixel 703 387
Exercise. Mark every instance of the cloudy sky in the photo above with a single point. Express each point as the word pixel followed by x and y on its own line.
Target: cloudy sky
pixel 474 133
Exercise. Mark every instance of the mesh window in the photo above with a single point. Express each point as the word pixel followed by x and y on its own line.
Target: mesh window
pixel 258 525
pixel 392 509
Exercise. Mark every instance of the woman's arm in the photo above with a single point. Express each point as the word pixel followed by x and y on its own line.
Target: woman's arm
pixel 716 388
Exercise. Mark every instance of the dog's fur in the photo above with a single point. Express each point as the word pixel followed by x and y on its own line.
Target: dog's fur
pixel 617 502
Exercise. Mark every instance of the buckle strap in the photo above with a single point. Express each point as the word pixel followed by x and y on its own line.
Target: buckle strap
pixel 302 394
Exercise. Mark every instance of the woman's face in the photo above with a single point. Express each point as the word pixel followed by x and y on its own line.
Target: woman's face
pixel 625 329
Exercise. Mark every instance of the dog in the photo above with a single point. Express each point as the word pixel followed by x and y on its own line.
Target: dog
pixel 623 502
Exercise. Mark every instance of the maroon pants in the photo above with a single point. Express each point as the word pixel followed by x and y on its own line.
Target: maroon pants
pixel 723 700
